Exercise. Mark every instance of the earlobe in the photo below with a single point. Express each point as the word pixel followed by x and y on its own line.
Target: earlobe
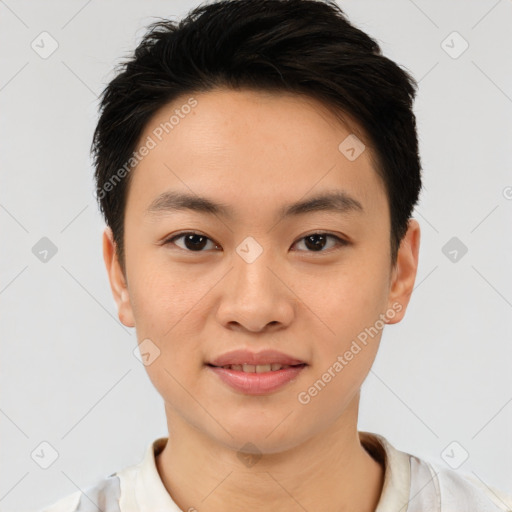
pixel 404 273
pixel 117 280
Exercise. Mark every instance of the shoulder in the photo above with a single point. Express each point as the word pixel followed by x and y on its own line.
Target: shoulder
pixel 443 489
pixel 419 484
pixel 116 492
pixel 102 495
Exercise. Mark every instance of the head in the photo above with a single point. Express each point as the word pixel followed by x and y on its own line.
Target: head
pixel 257 106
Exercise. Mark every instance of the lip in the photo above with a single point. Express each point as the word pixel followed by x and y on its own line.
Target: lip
pixel 257 383
pixel 255 358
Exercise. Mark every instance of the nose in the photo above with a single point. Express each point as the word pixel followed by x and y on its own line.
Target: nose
pixel 256 297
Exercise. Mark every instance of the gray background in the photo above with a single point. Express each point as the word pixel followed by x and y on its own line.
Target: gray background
pixel 68 373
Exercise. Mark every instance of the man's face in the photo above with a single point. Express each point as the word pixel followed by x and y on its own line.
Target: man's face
pixel 251 279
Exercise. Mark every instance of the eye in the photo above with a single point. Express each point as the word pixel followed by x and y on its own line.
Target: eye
pixel 317 241
pixel 196 242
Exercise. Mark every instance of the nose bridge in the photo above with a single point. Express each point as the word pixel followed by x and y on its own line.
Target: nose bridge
pixel 254 296
pixel 252 262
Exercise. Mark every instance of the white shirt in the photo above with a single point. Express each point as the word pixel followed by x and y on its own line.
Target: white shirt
pixel 411 484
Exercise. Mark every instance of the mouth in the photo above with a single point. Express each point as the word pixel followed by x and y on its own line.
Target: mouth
pixel 250 379
pixel 257 368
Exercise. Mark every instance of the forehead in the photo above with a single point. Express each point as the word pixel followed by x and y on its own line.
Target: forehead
pixel 253 148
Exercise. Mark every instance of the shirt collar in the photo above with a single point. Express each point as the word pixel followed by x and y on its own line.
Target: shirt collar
pixel 152 496
pixel 397 476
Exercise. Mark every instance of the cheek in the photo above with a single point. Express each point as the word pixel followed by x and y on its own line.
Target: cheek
pixel 163 297
pixel 345 349
pixel 349 301
pixel 350 329
pixel 166 308
pixel 170 306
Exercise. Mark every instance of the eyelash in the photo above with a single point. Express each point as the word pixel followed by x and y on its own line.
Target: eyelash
pixel 340 242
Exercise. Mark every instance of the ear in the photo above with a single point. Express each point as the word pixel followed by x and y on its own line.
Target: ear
pixel 404 272
pixel 117 280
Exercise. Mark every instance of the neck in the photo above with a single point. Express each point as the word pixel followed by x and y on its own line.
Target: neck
pixel 330 471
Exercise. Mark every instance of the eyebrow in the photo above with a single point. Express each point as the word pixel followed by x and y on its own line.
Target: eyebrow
pixel 338 201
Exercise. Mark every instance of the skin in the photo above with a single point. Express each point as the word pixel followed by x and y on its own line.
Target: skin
pixel 257 152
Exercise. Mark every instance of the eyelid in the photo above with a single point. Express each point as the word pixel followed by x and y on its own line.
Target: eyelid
pixel 340 242
pixel 169 240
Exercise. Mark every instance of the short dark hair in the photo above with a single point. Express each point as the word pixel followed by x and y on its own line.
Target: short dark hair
pixel 306 47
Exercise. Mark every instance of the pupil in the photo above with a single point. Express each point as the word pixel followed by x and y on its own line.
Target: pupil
pixel 316 245
pixel 191 244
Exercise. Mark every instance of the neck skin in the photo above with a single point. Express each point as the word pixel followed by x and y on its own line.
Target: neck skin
pixel 331 472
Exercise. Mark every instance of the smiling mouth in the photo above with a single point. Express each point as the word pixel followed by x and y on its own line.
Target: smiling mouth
pixel 260 379
pixel 258 368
